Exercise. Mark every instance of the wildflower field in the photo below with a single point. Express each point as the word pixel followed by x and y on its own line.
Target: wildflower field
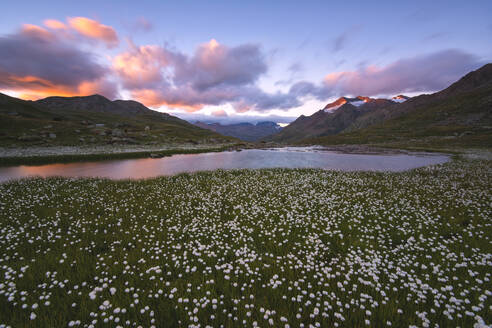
pixel 269 248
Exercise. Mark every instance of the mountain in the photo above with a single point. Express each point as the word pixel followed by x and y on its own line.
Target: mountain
pixel 332 119
pixel 460 115
pixel 243 131
pixel 95 103
pixel 93 120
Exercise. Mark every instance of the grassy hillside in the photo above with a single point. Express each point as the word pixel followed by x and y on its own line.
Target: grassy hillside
pixel 26 123
pixel 461 120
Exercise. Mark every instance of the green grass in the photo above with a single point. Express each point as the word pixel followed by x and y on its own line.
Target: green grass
pixel 224 247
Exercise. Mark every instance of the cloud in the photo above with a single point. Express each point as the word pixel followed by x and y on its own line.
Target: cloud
pixel 94 30
pixel 233 118
pixel 214 64
pixel 35 62
pixel 142 24
pixel 214 74
pixel 341 40
pixel 55 24
pixel 36 32
pixel 43 61
pixel 141 67
pixel 430 72
pixel 219 113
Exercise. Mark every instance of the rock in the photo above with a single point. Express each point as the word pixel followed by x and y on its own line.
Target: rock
pixel 99 125
pixel 52 135
pixel 117 133
pixel 77 131
pixel 81 139
pixel 129 140
pixel 466 133
pixel 156 155
pixel 147 128
pixel 84 122
pixel 29 138
pixel 48 126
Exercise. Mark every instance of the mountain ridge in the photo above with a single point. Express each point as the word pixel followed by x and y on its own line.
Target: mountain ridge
pixel 345 119
pixel 93 119
pixel 245 131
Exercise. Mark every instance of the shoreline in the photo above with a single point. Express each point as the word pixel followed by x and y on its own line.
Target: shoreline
pixel 69 154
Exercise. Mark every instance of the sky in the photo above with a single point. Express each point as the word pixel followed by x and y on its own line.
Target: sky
pixel 238 61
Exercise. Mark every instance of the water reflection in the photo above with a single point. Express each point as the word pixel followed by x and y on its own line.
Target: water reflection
pixel 252 159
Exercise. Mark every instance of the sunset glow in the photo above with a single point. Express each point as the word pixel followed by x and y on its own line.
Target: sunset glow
pixel 214 67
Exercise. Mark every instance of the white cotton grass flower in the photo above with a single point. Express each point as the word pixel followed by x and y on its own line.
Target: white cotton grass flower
pixel 331 246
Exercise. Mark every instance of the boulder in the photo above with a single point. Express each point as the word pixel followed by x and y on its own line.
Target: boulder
pixel 28 138
pixel 117 133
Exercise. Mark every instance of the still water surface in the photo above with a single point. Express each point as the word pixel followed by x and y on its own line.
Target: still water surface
pixel 247 159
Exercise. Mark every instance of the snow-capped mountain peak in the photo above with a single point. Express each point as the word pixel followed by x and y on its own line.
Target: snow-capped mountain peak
pixel 400 98
pixel 357 101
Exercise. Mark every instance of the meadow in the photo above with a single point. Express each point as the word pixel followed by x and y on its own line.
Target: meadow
pixel 267 248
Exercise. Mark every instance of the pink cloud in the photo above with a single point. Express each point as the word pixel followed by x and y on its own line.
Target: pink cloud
pixel 141 67
pixel 219 113
pixel 422 73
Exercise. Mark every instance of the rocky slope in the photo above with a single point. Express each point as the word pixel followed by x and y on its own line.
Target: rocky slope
pixel 332 119
pixel 92 120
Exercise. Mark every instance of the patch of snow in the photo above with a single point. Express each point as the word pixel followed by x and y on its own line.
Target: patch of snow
pixel 357 103
pixel 331 109
pixel 399 100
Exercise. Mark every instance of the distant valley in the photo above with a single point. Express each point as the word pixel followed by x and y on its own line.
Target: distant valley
pixel 244 131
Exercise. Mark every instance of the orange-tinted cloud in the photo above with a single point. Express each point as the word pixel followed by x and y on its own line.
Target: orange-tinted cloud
pixel 54 24
pixel 35 64
pixel 33 88
pixel 94 30
pixel 37 32
pixel 153 98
